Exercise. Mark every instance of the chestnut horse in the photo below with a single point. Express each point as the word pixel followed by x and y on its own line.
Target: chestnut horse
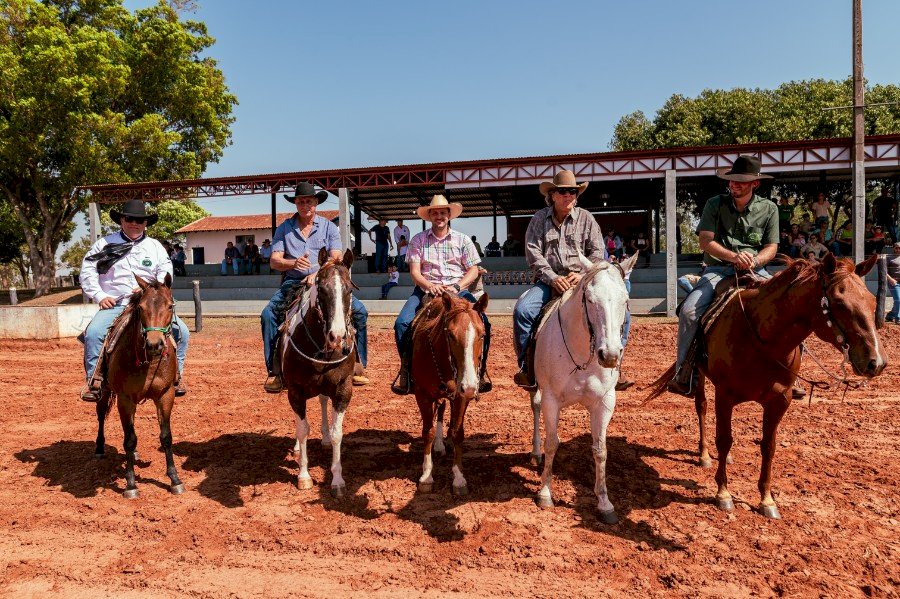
pixel 317 358
pixel 142 365
pixel 754 352
pixel 447 343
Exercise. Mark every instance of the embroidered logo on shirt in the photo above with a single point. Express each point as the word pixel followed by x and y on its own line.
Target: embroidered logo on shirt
pixel 146 262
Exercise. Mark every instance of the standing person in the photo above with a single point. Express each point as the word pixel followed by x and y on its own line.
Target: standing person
pixel 231 259
pixel 401 231
pixel 440 259
pixel 477 246
pixel 785 213
pixel 641 245
pixel 178 260
pixel 265 253
pixel 885 212
pixel 493 248
pixel 108 277
pixel 821 210
pixel 393 281
pixel 511 247
pixel 738 232
pixel 295 250
pixel 241 247
pixel 893 281
pixel 251 257
pixel 382 241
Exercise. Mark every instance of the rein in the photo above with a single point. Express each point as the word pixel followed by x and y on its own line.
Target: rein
pixel 167 335
pixel 590 330
pixel 443 386
pixel 319 350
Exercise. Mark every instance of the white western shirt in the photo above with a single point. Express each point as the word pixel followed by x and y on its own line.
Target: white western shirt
pixel 147 259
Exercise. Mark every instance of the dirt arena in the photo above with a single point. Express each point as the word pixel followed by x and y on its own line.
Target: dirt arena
pixel 243 529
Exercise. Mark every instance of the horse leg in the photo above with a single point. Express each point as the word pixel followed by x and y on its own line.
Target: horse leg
pixel 102 410
pixel 458 432
pixel 601 414
pixel 326 431
pixel 338 487
pixel 439 448
pixel 773 411
pixel 550 412
pixel 536 456
pixel 700 404
pixel 126 415
pixel 163 414
pixel 724 440
pixel 304 480
pixel 426 409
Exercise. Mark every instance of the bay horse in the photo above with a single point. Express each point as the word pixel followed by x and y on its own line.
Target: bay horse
pixel 317 358
pixel 754 352
pixel 577 354
pixel 447 344
pixel 142 365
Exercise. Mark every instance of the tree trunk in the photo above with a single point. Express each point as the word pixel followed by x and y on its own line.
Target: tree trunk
pixel 44 272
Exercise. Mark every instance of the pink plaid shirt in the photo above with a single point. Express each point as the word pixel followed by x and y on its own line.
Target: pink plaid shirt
pixel 443 261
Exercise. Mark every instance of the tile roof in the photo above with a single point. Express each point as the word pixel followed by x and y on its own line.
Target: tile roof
pixel 244 222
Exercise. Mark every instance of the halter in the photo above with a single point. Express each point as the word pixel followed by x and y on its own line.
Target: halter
pixel 320 351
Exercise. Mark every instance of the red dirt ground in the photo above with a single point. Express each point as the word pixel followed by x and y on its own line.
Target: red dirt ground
pixel 243 529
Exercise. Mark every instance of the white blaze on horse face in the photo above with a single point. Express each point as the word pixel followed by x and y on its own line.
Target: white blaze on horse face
pixel 338 323
pixel 469 381
pixel 606 296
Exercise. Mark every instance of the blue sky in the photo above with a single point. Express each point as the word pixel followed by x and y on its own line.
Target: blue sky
pixel 345 84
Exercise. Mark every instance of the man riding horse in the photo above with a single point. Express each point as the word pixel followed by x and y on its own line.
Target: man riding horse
pixel 738 232
pixel 108 277
pixel 296 244
pixel 555 237
pixel 439 259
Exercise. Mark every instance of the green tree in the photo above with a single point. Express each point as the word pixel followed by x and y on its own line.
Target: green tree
pixel 74 253
pixel 92 93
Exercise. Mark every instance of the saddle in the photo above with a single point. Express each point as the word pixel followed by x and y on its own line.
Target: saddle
pixel 113 335
pixel 547 309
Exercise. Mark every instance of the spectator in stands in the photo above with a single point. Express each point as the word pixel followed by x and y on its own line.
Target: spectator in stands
pixel 477 247
pixel 511 247
pixel 875 240
pixel 821 210
pixel 641 245
pixel 885 212
pixel 251 258
pixel 893 281
pixel 178 260
pixel 393 281
pixel 813 246
pixel 785 213
pixel 610 241
pixel 241 261
pixel 231 259
pixel 401 231
pixel 811 256
pixel 620 246
pixel 493 248
pixel 795 241
pixel 843 245
pixel 265 252
pixel 382 241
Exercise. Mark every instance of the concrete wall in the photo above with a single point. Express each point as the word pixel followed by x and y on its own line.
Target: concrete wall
pixel 44 322
pixel 214 242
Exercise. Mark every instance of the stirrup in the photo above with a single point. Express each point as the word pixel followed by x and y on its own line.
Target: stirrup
pixel 524 381
pixel 273 384
pixel 401 385
pixel 91 394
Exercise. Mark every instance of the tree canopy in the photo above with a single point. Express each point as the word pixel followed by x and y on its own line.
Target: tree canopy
pixel 92 93
pixel 793 111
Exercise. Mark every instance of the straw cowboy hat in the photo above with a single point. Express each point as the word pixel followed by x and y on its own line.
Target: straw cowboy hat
pixel 305 189
pixel 439 201
pixel 134 209
pixel 562 180
pixel 744 169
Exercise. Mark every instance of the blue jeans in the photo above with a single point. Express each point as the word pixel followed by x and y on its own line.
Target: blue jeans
pixel 387 287
pixel 408 313
pixel 96 330
pixel 401 262
pixel 273 315
pixel 529 307
pixel 234 265
pixel 696 304
pixel 894 314
pixel 381 257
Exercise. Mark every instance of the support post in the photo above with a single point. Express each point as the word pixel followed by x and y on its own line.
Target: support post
pixel 859 150
pixel 494 207
pixel 198 308
pixel 357 226
pixel 656 225
pixel 881 295
pixel 344 216
pixel 671 255
pixel 94 221
pixel 274 215
pixel 13 296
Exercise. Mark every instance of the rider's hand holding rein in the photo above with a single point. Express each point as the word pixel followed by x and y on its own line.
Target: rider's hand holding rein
pixel 107 302
pixel 302 263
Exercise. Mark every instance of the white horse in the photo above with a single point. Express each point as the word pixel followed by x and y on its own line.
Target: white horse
pixel 577 356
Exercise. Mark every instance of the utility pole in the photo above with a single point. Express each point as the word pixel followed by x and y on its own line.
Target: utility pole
pixel 859 148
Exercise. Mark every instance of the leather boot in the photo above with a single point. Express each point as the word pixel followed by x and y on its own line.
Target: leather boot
pixel 180 386
pixel 400 385
pixel 484 382
pixel 683 382
pixel 90 392
pixel 273 384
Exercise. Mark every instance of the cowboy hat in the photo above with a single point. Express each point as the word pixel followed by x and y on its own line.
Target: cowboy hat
pixel 562 180
pixel 439 201
pixel 135 209
pixel 745 168
pixel 304 190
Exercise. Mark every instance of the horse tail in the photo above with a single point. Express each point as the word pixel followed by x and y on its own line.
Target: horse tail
pixel 658 386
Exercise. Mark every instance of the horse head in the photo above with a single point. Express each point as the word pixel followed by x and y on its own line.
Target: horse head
pixel 332 298
pixel 155 310
pixel 847 316
pixel 605 303
pixel 465 337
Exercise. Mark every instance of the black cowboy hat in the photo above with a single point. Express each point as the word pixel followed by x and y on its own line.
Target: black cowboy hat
pixel 305 190
pixel 745 168
pixel 136 209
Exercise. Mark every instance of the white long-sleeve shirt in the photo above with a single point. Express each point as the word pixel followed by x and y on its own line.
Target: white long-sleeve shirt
pixel 147 259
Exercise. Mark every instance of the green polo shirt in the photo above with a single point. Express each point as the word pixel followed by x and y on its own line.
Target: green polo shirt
pixel 746 231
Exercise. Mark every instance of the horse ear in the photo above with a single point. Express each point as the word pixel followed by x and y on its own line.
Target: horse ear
pixel 142 283
pixel 481 304
pixel 323 256
pixel 587 264
pixel 863 268
pixel 168 281
pixel 628 264
pixel 348 258
pixel 447 299
pixel 829 263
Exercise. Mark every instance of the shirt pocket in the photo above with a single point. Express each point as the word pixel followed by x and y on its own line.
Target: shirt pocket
pixel 551 239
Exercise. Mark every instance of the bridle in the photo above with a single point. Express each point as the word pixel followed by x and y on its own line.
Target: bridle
pixel 166 332
pixel 350 333
pixel 443 386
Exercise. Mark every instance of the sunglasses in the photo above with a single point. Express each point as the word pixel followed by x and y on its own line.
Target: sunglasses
pixel 566 192
pixel 140 220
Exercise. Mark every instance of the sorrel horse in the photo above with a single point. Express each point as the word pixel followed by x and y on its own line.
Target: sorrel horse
pixel 447 343
pixel 577 353
pixel 317 358
pixel 768 323
pixel 142 365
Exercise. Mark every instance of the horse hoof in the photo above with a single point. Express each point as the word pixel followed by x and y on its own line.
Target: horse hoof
pixel 728 459
pixel 130 494
pixel 537 460
pixel 338 492
pixel 725 504
pixel 304 483
pixel 705 462
pixel 544 502
pixel 177 489
pixel 770 512
pixel 461 491
pixel 426 487
pixel 609 517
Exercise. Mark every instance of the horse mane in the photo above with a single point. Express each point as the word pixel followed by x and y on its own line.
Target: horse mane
pixel 135 298
pixel 432 320
pixel 801 270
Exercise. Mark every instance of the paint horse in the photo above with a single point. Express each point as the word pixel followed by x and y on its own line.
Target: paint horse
pixel 447 344
pixel 577 354
pixel 141 365
pixel 754 352
pixel 318 355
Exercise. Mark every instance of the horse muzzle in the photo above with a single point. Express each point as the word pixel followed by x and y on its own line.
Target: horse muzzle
pixel 608 359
